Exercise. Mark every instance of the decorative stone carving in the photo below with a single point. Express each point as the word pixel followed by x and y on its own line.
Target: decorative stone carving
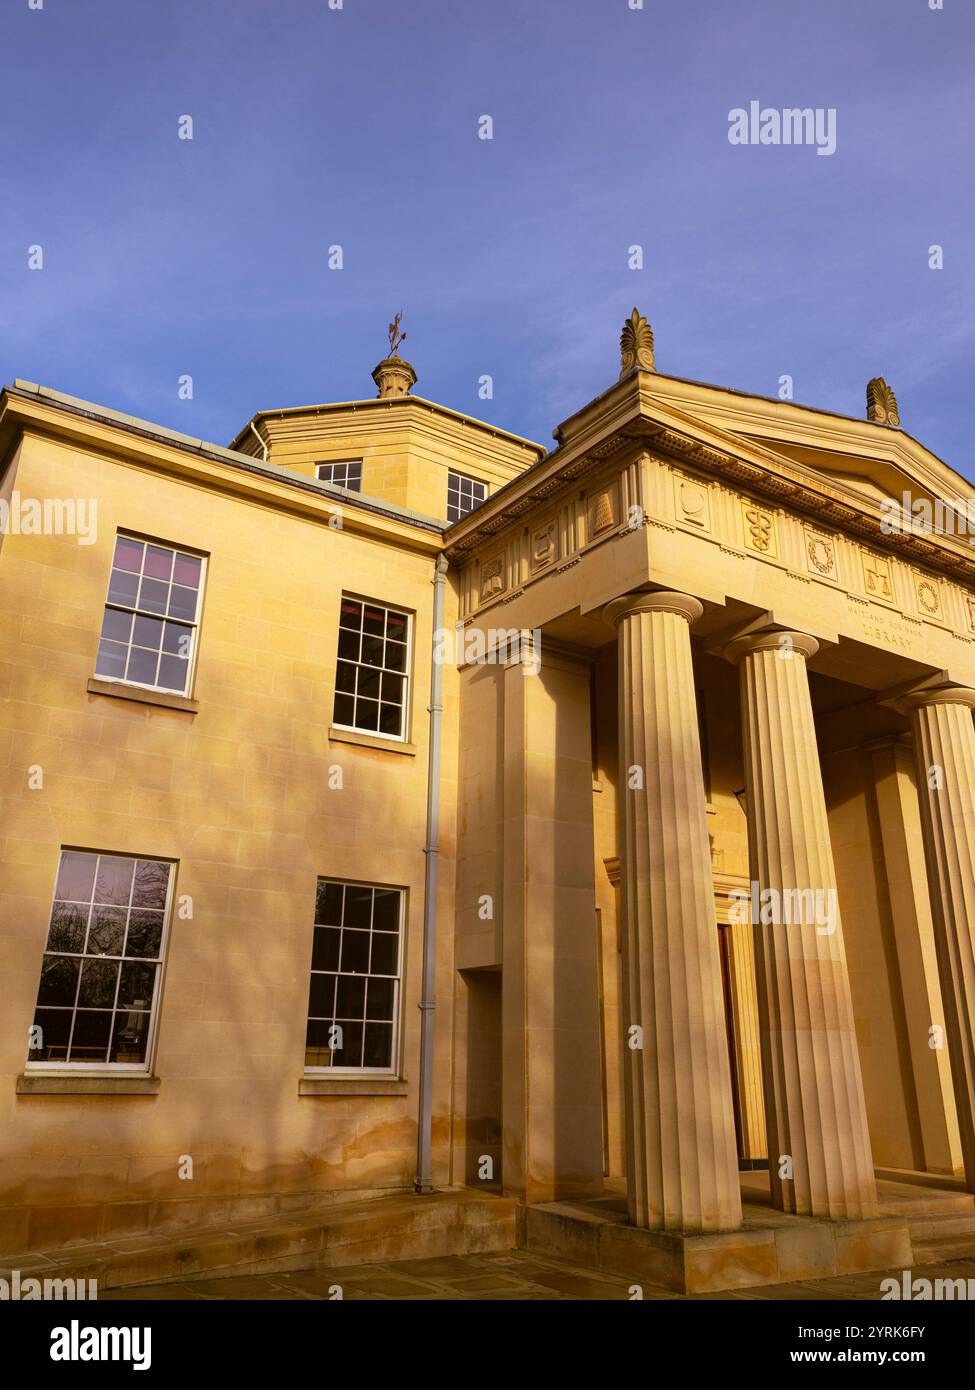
pixel 820 555
pixel 492 577
pixel 601 511
pixel 877 577
pixel 881 403
pixel 928 593
pixel 970 609
pixel 636 345
pixel 692 502
pixel 543 546
pixel 759 528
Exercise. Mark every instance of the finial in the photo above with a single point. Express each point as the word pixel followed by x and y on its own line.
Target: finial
pixel 636 345
pixel 393 375
pixel 395 336
pixel 881 403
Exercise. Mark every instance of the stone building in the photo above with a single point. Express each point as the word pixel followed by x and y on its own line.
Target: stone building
pixel 591 821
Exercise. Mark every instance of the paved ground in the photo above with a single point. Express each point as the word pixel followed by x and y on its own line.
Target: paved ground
pixel 510 1274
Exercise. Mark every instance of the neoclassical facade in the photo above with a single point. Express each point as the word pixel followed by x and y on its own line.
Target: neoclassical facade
pixel 586 821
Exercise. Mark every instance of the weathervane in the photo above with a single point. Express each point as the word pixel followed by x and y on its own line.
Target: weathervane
pixel 395 336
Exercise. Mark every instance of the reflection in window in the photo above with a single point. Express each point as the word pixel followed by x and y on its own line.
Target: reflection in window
pixel 150 621
pixel 99 975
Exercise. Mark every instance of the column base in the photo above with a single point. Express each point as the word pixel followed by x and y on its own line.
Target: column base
pixel 794 1248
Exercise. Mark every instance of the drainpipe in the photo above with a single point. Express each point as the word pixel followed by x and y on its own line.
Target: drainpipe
pixel 423 1181
pixel 257 435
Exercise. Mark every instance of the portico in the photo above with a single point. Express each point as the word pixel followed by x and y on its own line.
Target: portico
pixel 743 679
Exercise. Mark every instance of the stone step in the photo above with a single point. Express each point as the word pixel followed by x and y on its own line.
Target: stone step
pixel 452 1222
pixel 941 1249
pixel 933 1225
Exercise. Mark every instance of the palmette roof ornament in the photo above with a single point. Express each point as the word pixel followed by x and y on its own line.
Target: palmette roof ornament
pixel 636 345
pixel 881 403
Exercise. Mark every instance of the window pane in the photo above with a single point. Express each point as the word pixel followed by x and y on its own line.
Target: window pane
pixel 114 882
pixel 318 1052
pixel 385 910
pixel 59 980
pixel 378 1049
pixel 98 981
pixel 55 1030
pixel 145 934
pixel 148 633
pixel 107 931
pixel 374 621
pixel 136 985
pixel 345 676
pixel 130 1038
pixel 348 645
pixel 367 715
pixel 187 570
pixel 396 656
pixel 117 625
pixel 384 953
pixel 380 999
pixel 76 877
pixel 123 587
pixel 372 650
pixel 358 906
pixel 390 720
pixel 110 660
pixel 153 596
pixel 69 922
pixel 350 997
pixel 151 884
pixel 350 1053
pixel 350 614
pixel 142 666
pixel 344 710
pixel 89 1042
pixel 178 639
pixel 128 554
pixel 369 683
pixel 396 626
pixel 328 904
pixel 182 602
pixel 321 995
pixel 325 949
pixel 355 952
pixel 158 563
pixel 173 673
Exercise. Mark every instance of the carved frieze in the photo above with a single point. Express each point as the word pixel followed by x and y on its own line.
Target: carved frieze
pixel 820 554
pixel 878 580
pixel 492 577
pixel 759 528
pixel 927 591
pixel 691 502
pixel 602 511
pixel 544 545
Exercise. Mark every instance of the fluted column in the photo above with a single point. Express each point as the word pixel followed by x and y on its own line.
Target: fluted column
pixel 682 1168
pixel 819 1147
pixel 944 751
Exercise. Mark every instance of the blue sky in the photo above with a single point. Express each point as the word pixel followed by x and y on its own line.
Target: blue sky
pixel 358 127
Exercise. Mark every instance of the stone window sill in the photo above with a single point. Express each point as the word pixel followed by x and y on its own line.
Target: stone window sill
pixel 388 745
pixel 352 1086
pixel 141 696
pixel 38 1083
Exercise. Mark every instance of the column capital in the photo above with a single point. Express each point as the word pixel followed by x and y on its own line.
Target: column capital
pixel 771 639
pixel 937 695
pixel 660 601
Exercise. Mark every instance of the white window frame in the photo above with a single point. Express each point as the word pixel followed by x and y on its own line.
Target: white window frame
pixel 339 463
pixel 393 1068
pixel 475 503
pixel 113 1068
pixel 195 623
pixel 403 735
